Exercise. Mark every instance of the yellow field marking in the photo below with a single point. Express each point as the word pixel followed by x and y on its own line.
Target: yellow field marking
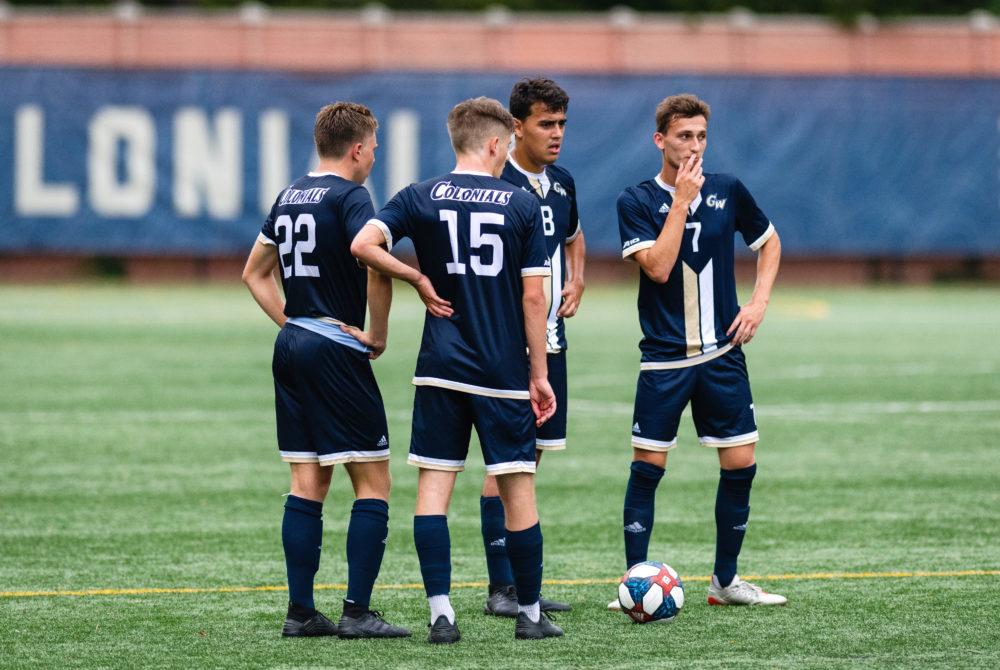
pixel 469 585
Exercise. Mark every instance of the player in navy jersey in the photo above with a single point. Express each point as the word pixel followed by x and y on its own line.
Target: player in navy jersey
pixel 328 406
pixel 539 109
pixel 481 244
pixel 680 228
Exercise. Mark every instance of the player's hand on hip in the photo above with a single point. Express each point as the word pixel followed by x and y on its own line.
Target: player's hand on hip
pixel 543 400
pixel 689 180
pixel 571 299
pixel 376 344
pixel 435 304
pixel 745 325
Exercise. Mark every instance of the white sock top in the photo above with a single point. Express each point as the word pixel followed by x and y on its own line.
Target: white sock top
pixel 534 611
pixel 441 605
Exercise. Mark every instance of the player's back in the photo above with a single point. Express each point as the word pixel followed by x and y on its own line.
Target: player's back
pixel 312 223
pixel 475 237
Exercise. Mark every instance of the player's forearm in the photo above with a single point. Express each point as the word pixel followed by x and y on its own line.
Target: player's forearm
pixel 768 260
pixel 379 302
pixel 374 256
pixel 576 254
pixel 659 259
pixel 258 275
pixel 535 313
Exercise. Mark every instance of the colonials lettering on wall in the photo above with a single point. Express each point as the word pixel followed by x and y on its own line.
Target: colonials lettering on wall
pixel 444 190
pixel 294 196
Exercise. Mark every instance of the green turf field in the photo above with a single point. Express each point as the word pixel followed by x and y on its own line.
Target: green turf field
pixel 138 447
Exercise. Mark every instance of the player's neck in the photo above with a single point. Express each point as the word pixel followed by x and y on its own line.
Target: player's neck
pixel 524 161
pixel 668 174
pixel 473 163
pixel 340 168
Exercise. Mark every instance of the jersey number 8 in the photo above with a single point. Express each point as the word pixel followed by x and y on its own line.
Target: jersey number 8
pixel 477 240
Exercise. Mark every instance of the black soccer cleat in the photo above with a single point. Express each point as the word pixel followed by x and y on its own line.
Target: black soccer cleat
pixel 306 622
pixel 526 629
pixel 502 601
pixel 443 632
pixel 553 606
pixel 369 624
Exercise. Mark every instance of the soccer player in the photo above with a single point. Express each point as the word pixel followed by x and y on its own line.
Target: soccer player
pixel 679 227
pixel 539 109
pixel 481 243
pixel 329 409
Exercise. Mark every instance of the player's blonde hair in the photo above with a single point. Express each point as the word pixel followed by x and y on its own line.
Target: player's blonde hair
pixel 683 106
pixel 341 125
pixel 472 122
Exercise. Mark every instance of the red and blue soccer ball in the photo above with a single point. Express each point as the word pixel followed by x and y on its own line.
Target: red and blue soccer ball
pixel 651 591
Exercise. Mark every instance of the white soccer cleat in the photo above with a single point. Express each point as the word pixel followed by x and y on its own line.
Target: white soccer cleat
pixel 741 593
pixel 615 606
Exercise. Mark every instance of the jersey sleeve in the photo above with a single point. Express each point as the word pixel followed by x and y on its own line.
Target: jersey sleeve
pixel 573 229
pixel 636 229
pixel 534 256
pixel 394 219
pixel 357 210
pixel 267 235
pixel 752 223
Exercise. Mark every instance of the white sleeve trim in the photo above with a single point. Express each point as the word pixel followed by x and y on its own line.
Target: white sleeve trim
pixel 536 272
pixel 385 232
pixel 638 246
pixel 759 242
pixel 264 239
pixel 576 233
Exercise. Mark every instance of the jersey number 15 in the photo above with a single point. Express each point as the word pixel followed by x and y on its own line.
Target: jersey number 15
pixel 477 240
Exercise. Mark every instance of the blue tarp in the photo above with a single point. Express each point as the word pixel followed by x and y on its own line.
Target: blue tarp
pixel 109 162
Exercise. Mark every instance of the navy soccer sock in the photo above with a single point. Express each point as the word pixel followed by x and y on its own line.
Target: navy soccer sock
pixel 524 547
pixel 640 502
pixel 495 541
pixel 302 537
pixel 732 510
pixel 366 536
pixel 430 535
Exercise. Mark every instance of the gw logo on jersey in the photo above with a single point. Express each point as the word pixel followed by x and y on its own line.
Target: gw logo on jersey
pixel 715 201
pixel 443 190
pixel 558 188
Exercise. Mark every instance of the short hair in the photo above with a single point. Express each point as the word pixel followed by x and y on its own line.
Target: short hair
pixel 472 121
pixel 341 125
pixel 529 91
pixel 683 106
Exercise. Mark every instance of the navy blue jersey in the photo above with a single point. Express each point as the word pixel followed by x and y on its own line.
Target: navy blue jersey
pixel 556 193
pixel 684 321
pixel 312 223
pixel 475 237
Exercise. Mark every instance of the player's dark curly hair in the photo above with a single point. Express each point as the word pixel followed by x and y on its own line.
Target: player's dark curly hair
pixel 683 106
pixel 341 125
pixel 529 91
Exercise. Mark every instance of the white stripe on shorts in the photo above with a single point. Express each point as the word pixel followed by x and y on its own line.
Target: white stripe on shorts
pixel 510 467
pixel 735 441
pixel 435 463
pixel 653 445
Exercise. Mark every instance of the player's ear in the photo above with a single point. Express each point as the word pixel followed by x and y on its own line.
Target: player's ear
pixel 658 140
pixel 356 151
pixel 493 146
pixel 518 129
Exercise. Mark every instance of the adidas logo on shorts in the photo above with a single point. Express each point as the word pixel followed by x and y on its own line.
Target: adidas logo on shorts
pixel 383 442
pixel 635 428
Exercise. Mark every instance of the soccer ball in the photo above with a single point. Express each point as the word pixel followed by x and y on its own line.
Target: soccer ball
pixel 651 591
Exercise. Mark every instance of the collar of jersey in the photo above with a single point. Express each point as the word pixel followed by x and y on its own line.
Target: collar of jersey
pixel 325 174
pixel 475 172
pixel 536 175
pixel 673 189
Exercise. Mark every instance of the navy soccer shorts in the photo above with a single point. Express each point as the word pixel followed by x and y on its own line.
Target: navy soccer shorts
pixel 329 409
pixel 552 435
pixel 442 425
pixel 721 404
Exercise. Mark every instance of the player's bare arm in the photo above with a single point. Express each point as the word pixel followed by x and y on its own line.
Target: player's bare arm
pixel 658 260
pixel 367 248
pixel 543 399
pixel 258 275
pixel 576 252
pixel 379 301
pixel 752 314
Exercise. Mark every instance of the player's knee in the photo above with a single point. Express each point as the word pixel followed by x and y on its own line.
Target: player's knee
pixel 657 458
pixel 490 487
pixel 736 458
